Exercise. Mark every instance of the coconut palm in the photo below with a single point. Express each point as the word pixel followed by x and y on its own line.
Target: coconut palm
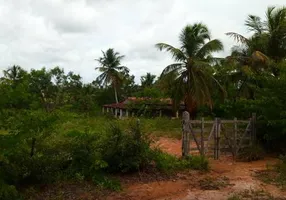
pixel 269 38
pixel 147 80
pixel 112 71
pixel 14 73
pixel 193 65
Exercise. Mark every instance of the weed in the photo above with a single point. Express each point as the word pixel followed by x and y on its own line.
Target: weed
pixel 211 183
pixel 254 195
pixel 251 153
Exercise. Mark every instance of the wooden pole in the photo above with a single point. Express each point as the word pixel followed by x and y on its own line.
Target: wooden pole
pixel 202 137
pixel 235 138
pixel 185 134
pixel 218 138
pixel 215 139
pixel 253 128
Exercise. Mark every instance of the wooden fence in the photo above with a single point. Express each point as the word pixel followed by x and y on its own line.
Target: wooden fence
pixel 215 136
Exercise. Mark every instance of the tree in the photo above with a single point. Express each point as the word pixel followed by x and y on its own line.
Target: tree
pixel 147 80
pixel 112 71
pixel 14 74
pixel 193 65
pixel 269 38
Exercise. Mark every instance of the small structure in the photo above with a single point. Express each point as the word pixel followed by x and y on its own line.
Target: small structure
pixel 143 106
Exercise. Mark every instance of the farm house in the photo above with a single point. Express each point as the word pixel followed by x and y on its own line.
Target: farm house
pixel 134 106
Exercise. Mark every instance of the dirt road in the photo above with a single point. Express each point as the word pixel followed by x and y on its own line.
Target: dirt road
pixel 187 187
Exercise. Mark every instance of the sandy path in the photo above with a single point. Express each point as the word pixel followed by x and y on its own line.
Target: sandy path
pixel 187 188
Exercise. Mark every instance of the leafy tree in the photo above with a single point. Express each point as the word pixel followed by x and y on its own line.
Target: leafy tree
pixel 147 80
pixel 269 38
pixel 193 65
pixel 112 71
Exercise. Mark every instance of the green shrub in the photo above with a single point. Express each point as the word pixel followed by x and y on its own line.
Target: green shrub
pixel 281 169
pixel 125 151
pixel 8 192
pixel 106 182
pixel 169 163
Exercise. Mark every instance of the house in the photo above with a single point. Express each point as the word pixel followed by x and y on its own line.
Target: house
pixel 143 106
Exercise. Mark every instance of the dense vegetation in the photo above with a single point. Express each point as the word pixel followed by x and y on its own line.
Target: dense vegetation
pixel 51 128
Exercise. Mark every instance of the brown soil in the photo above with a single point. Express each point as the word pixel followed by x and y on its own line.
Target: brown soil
pixel 186 186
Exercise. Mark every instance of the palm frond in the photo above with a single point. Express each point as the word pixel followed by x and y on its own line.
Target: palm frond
pixel 255 24
pixel 238 38
pixel 210 47
pixel 176 53
pixel 176 67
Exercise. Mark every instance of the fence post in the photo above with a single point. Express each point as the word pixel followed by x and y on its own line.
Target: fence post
pixel 202 136
pixel 185 134
pixel 235 137
pixel 218 138
pixel 253 128
pixel 215 139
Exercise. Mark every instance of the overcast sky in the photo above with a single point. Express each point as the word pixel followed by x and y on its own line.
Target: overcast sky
pixel 72 33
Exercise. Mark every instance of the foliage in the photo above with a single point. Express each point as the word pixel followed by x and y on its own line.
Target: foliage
pixel 112 71
pixel 192 66
pixel 147 80
pixel 251 153
pixel 253 194
pixel 40 148
pixel 170 163
pixel 214 183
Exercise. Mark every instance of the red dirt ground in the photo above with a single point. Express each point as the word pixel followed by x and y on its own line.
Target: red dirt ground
pixel 240 175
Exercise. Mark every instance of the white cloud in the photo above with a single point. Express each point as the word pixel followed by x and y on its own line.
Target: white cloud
pixel 72 33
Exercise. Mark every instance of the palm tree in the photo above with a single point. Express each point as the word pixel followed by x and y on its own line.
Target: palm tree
pixel 269 38
pixel 112 71
pixel 193 65
pixel 14 73
pixel 147 80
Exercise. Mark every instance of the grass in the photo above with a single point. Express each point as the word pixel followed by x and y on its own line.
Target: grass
pixel 214 183
pixel 81 148
pixel 253 195
pixel 275 174
pixel 157 126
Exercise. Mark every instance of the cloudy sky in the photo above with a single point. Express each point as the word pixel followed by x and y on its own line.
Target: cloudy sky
pixel 72 33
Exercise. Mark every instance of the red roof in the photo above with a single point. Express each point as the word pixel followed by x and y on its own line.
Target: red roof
pixel 167 101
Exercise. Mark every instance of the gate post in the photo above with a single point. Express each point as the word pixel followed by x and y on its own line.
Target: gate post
pixel 217 139
pixel 202 137
pixel 185 134
pixel 253 128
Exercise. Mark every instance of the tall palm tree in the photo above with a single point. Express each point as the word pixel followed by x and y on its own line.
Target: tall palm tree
pixel 269 37
pixel 147 80
pixel 193 65
pixel 14 73
pixel 112 71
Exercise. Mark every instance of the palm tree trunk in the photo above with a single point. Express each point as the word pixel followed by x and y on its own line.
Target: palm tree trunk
pixel 115 94
pixel 191 106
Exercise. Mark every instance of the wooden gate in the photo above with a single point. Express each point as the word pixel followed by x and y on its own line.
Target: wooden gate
pixel 212 137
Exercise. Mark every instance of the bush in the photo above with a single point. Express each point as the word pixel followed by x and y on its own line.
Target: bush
pixel 251 153
pixel 281 169
pixel 33 151
pixel 8 192
pixel 126 151
pixel 169 163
